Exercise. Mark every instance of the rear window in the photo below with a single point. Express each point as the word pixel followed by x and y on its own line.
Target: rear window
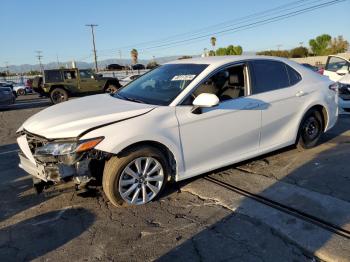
pixel 294 76
pixel 53 76
pixel 268 76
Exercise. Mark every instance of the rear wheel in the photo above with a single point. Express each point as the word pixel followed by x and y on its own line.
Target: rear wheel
pixel 58 95
pixel 310 130
pixel 136 177
pixel 111 89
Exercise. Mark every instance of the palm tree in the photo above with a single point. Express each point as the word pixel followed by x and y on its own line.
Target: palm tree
pixel 134 55
pixel 213 42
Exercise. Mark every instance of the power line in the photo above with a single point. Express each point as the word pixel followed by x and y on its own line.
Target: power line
pixel 254 24
pixel 237 21
pixel 93 43
pixel 246 26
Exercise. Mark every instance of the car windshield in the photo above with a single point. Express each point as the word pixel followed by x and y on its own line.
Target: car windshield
pixel 161 85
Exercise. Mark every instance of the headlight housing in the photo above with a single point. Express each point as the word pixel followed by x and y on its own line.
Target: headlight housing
pixel 68 148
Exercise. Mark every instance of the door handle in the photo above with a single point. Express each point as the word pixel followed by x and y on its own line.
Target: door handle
pixel 251 105
pixel 300 93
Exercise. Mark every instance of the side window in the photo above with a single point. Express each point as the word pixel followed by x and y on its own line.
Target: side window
pixel 336 63
pixel 229 83
pixel 294 76
pixel 268 76
pixel 69 75
pixel 85 74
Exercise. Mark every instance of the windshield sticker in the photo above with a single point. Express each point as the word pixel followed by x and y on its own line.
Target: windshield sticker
pixel 183 77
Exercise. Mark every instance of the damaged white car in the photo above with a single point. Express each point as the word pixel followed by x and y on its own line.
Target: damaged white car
pixel 177 121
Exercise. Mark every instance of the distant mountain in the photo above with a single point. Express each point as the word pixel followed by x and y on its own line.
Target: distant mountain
pixel 84 65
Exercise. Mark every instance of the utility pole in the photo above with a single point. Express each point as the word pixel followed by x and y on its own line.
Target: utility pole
pixel 7 68
pixel 39 56
pixel 58 61
pixel 93 43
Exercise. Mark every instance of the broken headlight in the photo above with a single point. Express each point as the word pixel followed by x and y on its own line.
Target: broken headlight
pixel 67 152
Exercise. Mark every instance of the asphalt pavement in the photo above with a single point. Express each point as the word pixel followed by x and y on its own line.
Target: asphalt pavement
pixel 196 220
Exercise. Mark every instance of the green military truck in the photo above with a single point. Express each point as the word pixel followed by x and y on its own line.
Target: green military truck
pixel 60 84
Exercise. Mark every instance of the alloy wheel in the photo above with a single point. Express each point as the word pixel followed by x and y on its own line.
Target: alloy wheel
pixel 141 180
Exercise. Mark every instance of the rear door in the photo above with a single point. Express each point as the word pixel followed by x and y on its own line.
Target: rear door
pixel 279 88
pixel 336 67
pixel 70 79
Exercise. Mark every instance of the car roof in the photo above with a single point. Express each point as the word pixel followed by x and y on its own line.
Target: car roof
pixel 221 60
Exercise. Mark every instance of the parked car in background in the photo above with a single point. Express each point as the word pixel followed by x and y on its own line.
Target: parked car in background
pixel 182 119
pixel 128 79
pixel 10 85
pixel 343 86
pixel 6 96
pixel 138 67
pixel 60 84
pixel 336 67
pixel 22 89
pixel 115 67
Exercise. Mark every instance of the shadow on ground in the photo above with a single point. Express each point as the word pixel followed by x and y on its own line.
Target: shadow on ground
pixel 249 232
pixel 37 236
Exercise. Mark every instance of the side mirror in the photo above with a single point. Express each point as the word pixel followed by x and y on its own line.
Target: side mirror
pixel 342 72
pixel 205 100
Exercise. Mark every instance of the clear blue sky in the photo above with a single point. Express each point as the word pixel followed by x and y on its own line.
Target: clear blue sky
pixel 58 27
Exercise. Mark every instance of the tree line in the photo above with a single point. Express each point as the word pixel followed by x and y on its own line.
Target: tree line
pixel 321 45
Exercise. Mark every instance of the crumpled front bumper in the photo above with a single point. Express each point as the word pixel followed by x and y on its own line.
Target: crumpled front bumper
pixel 51 171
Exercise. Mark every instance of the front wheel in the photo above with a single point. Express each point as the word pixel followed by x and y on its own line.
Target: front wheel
pixel 58 95
pixel 310 130
pixel 136 177
pixel 21 92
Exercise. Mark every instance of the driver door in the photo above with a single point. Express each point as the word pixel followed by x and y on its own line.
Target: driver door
pixel 87 82
pixel 220 135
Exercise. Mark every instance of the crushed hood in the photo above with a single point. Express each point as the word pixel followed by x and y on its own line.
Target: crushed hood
pixel 70 119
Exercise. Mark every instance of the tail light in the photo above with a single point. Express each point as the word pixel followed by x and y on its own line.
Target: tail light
pixel 320 71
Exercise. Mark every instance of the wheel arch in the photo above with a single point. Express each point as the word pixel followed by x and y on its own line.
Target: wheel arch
pixel 172 162
pixel 113 82
pixel 324 114
pixel 59 86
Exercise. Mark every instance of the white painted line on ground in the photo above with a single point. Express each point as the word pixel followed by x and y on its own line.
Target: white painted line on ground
pixel 9 152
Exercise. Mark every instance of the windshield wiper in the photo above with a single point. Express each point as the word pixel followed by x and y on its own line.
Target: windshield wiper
pixel 131 99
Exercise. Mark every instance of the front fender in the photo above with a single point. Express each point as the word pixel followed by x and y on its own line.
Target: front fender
pixel 160 125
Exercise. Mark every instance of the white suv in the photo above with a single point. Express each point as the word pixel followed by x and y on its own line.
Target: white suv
pixel 177 121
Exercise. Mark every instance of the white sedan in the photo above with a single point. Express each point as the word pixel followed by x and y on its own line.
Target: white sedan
pixel 177 121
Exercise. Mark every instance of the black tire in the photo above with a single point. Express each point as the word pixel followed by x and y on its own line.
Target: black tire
pixel 111 89
pixel 310 130
pixel 21 92
pixel 115 166
pixel 58 95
